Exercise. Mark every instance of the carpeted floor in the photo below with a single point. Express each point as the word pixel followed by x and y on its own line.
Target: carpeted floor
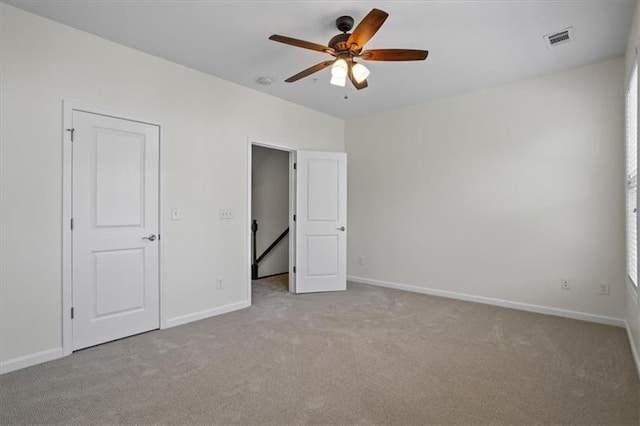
pixel 364 356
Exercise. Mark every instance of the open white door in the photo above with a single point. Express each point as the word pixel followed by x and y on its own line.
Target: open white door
pixel 321 235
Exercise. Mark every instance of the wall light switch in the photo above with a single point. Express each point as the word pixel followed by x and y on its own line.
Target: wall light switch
pixel 226 214
pixel 176 214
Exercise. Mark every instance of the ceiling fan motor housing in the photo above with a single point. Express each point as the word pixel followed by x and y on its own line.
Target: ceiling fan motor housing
pixel 339 43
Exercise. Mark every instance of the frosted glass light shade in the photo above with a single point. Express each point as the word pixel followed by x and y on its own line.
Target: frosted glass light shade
pixel 339 68
pixel 360 72
pixel 337 81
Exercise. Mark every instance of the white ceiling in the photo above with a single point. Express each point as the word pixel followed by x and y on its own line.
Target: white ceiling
pixel 472 44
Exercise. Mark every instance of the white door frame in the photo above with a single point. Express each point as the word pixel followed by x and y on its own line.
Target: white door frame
pixel 68 107
pixel 292 209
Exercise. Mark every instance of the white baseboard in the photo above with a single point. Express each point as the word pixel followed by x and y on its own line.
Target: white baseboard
pixel 634 349
pixel 601 319
pixel 196 316
pixel 29 360
pixel 51 354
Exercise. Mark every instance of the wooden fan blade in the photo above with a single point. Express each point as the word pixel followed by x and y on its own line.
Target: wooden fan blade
pixel 394 55
pixel 309 71
pixel 367 28
pixel 302 43
pixel 357 85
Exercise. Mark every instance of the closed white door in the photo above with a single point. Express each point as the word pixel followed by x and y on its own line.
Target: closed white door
pixel 321 208
pixel 115 228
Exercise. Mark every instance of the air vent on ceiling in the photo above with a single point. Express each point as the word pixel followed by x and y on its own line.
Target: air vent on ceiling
pixel 561 37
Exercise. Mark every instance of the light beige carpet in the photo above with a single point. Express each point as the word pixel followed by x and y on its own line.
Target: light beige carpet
pixel 365 356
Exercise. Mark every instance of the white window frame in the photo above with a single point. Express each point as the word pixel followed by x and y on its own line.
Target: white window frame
pixel 631 173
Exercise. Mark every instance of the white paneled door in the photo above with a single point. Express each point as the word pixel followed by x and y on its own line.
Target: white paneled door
pixel 115 228
pixel 321 240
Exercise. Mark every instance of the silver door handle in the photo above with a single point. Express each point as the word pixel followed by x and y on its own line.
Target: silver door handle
pixel 341 228
pixel 151 237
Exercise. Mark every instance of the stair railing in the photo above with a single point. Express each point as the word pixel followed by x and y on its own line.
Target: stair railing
pixel 255 260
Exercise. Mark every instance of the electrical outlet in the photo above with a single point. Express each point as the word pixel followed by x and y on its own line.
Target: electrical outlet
pixel 361 260
pixel 226 214
pixel 565 284
pixel 603 289
pixel 219 283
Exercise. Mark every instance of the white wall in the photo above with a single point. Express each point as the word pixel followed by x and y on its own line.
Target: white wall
pixel 270 207
pixel 497 193
pixel 206 122
pixel 633 310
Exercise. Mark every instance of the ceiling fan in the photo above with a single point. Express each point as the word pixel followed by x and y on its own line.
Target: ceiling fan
pixel 346 47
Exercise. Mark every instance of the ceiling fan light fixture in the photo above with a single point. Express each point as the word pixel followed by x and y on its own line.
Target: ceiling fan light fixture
pixel 360 72
pixel 346 47
pixel 339 69
pixel 337 81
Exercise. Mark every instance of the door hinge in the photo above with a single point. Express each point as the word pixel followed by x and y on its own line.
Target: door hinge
pixel 72 224
pixel 72 133
pixel 158 237
pixel 295 166
pixel 294 217
pixel 72 313
pixel 294 269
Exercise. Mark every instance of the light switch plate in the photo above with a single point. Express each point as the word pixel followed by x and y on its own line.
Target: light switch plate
pixel 226 214
pixel 176 214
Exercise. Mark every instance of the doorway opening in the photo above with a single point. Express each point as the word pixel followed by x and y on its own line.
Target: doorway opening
pixel 317 208
pixel 272 233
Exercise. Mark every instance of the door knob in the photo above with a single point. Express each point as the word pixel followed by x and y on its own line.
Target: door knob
pixel 341 228
pixel 151 237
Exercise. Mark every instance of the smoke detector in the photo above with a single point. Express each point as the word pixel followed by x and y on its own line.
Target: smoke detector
pixel 558 38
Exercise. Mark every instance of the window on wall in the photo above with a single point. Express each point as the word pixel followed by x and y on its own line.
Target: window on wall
pixel 632 176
